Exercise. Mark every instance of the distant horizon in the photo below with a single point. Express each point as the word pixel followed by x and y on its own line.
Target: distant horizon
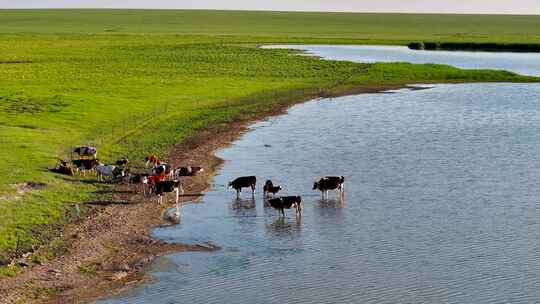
pixel 268 10
pixel 471 7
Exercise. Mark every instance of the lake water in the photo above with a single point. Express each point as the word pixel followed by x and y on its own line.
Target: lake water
pixel 442 205
pixel 521 63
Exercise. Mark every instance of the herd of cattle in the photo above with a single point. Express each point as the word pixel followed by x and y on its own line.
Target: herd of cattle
pixel 324 185
pixel 159 178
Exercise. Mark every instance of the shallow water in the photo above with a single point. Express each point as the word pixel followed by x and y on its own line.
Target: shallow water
pixel 442 205
pixel 521 63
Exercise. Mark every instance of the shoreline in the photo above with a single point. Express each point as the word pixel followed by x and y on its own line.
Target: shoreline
pixel 110 251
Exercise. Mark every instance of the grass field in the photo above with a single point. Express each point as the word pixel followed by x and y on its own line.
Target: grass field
pixel 133 82
pixel 278 26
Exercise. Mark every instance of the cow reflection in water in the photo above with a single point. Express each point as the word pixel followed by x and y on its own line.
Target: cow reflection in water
pixel 283 226
pixel 336 203
pixel 173 215
pixel 239 204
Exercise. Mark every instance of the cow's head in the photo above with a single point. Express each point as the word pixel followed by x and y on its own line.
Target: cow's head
pixel 315 185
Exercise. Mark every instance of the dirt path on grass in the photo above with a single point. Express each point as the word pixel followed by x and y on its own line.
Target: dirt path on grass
pixel 109 250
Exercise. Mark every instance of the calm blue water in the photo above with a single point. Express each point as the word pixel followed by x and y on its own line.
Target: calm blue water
pixel 521 63
pixel 442 205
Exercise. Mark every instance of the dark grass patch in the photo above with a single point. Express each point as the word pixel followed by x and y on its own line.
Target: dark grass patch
pixel 15 61
pixel 32 105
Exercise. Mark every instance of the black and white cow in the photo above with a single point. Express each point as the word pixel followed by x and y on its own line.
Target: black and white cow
pixel 162 169
pixel 111 171
pixel 328 183
pixel 187 171
pixel 286 202
pixel 140 181
pixel 86 152
pixel 83 165
pixel 163 187
pixel 243 182
pixel 123 162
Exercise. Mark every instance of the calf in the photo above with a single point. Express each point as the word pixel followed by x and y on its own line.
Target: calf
pixel 286 202
pixel 108 170
pixel 86 152
pixel 270 188
pixel 62 168
pixel 122 162
pixel 162 187
pixel 330 183
pixel 85 164
pixel 187 171
pixel 243 182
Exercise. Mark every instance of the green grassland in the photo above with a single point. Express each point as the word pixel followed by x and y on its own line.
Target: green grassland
pixel 133 82
pixel 279 26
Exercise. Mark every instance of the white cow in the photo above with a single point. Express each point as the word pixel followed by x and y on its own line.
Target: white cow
pixel 108 170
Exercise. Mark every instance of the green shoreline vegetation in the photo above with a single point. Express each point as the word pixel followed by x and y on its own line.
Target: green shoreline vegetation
pixel 133 82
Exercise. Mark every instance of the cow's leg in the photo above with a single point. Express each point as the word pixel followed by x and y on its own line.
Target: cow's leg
pixel 238 193
pixel 178 211
pixel 176 190
pixel 181 188
pixel 253 190
pixel 283 212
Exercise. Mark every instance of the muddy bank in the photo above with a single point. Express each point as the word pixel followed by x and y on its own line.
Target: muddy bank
pixel 109 251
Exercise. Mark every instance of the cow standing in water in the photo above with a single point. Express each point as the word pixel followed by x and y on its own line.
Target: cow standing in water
pixel 287 202
pixel 328 183
pixel 270 188
pixel 243 182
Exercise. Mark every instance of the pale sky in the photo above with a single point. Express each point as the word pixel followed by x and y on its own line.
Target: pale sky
pixel 423 6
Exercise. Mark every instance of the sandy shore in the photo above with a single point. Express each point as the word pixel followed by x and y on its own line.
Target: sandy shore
pixel 109 251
